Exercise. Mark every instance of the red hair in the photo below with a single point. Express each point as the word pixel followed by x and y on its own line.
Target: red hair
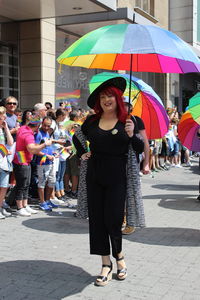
pixel 117 93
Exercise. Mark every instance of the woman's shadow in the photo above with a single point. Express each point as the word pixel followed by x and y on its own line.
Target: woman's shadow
pixel 39 279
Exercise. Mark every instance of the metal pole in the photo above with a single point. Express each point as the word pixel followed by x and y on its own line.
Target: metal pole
pixel 129 96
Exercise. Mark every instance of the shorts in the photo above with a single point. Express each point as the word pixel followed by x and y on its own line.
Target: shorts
pixel 165 150
pixel 73 165
pixel 4 178
pixel 175 151
pixel 46 174
pixel 158 148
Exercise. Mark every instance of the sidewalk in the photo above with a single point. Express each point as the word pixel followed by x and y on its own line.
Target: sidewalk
pixel 46 256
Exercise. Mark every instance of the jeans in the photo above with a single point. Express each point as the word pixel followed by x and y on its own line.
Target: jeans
pixel 60 175
pixel 23 179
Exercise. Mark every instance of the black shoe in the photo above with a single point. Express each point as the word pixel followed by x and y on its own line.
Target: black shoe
pixel 103 280
pixel 73 195
pixel 121 273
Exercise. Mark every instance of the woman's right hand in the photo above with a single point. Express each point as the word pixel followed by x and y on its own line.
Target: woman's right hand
pixel 86 156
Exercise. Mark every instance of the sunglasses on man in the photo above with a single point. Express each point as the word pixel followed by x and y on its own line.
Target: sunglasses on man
pixel 11 103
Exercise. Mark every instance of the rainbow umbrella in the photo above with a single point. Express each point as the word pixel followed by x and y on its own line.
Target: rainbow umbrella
pixel 146 103
pixel 187 132
pixel 194 107
pixel 134 47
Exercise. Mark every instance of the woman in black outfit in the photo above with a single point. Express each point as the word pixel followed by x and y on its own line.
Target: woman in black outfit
pixel 109 133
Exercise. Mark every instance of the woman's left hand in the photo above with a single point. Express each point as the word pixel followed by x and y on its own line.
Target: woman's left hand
pixel 129 127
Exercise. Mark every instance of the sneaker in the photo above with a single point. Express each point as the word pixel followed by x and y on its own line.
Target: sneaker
pixel 2 216
pixel 178 166
pixel 23 212
pixel 128 230
pixel 140 174
pixel 5 212
pixel 51 205
pixel 44 206
pixel 70 205
pixel 30 210
pixel 168 163
pixel 57 201
pixel 189 164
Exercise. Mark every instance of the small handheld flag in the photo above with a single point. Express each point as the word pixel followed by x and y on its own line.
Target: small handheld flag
pixel 64 154
pixel 21 157
pixel 3 150
pixel 43 159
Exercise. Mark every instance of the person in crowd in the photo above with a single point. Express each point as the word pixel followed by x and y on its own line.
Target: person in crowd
pixel 19 113
pixel 72 166
pixel 40 110
pixel 156 153
pixel 52 115
pixel 6 140
pixel 11 119
pixel 46 169
pixel 110 133
pixel 48 105
pixel 173 142
pixel 59 141
pixel 25 148
pixel 26 116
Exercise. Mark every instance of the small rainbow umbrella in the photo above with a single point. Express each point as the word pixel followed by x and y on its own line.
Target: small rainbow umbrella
pixel 146 103
pixel 194 107
pixel 187 132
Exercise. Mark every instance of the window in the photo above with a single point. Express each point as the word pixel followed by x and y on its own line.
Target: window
pixel 9 70
pixel 146 5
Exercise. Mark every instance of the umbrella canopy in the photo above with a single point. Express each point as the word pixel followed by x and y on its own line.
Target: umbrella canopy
pixel 134 47
pixel 194 107
pixel 146 103
pixel 187 132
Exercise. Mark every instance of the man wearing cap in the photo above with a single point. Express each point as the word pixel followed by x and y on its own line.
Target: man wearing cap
pixel 25 148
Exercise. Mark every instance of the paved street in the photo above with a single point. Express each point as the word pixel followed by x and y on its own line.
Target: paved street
pixel 46 256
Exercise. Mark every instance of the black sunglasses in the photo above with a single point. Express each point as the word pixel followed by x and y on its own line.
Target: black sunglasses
pixel 11 103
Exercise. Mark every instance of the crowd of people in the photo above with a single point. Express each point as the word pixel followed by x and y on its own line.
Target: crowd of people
pixel 55 177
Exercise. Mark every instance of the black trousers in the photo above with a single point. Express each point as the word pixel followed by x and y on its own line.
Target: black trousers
pixel 106 188
pixel 23 178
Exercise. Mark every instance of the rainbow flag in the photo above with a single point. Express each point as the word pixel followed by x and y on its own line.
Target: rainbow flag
pixel 88 146
pixel 70 95
pixel 3 150
pixel 72 131
pixel 64 154
pixel 21 157
pixel 43 159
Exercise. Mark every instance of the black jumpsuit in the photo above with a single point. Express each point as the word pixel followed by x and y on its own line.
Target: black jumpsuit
pixel 106 183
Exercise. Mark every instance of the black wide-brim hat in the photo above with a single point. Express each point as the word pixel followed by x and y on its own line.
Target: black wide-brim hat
pixel 118 82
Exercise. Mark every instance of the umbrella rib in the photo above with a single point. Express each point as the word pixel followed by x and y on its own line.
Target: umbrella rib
pixel 115 60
